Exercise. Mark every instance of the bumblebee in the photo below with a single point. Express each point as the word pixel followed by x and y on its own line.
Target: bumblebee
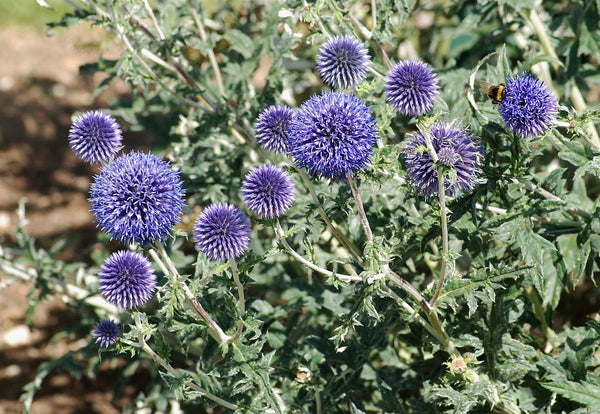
pixel 495 92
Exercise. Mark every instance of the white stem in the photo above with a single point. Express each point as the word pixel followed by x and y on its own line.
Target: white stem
pixel 163 363
pixel 213 327
pixel 240 287
pixel 281 234
pixel 58 286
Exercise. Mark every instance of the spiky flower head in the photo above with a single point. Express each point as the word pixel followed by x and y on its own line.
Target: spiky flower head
pixel 222 232
pixel 272 128
pixel 529 107
pixel 95 137
pixel 126 279
pixel 457 150
pixel 343 62
pixel 268 191
pixel 137 198
pixel 412 87
pixel 332 135
pixel 106 333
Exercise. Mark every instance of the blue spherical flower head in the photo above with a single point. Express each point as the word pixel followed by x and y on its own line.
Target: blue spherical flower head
pixel 222 232
pixel 268 191
pixel 457 150
pixel 343 62
pixel 137 198
pixel 106 333
pixel 95 137
pixel 126 279
pixel 412 87
pixel 529 107
pixel 272 128
pixel 332 135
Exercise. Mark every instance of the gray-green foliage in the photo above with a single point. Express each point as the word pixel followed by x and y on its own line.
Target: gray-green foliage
pixel 525 242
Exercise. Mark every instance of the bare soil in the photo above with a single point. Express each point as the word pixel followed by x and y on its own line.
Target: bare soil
pixel 40 90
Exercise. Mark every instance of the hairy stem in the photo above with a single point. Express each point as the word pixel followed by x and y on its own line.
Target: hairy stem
pixel 240 287
pixel 211 54
pixel 172 371
pixel 430 313
pixel 213 328
pixel 280 232
pixel 444 225
pixel 338 235
pixel 361 209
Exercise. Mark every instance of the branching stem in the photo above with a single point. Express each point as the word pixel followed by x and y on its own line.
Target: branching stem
pixel 307 263
pixel 361 209
pixel 172 371
pixel 240 287
pixel 213 328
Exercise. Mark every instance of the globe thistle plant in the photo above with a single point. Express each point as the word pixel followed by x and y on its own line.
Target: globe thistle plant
pixel 137 198
pixel 529 107
pixel 126 279
pixel 222 232
pixel 332 135
pixel 272 128
pixel 106 333
pixel 343 62
pixel 412 87
pixel 458 152
pixel 95 137
pixel 268 191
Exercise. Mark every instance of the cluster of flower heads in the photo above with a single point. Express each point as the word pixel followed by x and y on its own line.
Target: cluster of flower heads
pixel 457 151
pixel 529 107
pixel 136 198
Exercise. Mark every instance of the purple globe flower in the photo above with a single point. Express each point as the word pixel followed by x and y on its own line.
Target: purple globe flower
pixel 137 198
pixel 343 62
pixel 457 150
pixel 222 232
pixel 95 137
pixel 126 279
pixel 272 128
pixel 412 87
pixel 268 191
pixel 106 333
pixel 333 135
pixel 529 107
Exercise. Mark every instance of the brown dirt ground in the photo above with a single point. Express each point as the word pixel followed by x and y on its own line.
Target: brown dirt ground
pixel 40 89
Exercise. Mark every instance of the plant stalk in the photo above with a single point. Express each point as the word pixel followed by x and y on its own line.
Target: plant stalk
pixel 163 363
pixel 361 209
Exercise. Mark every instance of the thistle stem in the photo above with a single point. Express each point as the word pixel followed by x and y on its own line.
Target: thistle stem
pixel 444 225
pixel 240 287
pixel 213 328
pixel 441 335
pixel 361 209
pixel 280 232
pixel 211 54
pixel 338 235
pixel 443 216
pixel 172 371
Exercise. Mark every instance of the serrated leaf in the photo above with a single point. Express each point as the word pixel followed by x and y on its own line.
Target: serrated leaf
pixel 582 392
